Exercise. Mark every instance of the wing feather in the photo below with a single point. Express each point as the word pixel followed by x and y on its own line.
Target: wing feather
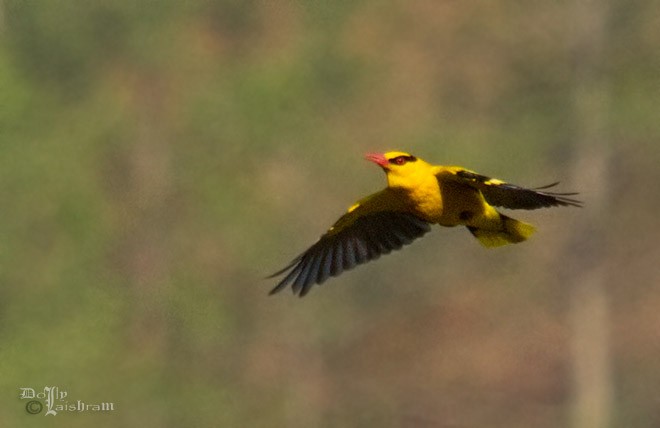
pixel 326 262
pixel 501 194
pixel 301 279
pixel 349 256
pixel 365 239
pixel 361 253
pixel 336 266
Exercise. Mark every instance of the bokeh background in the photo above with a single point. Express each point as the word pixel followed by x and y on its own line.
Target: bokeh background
pixel 158 159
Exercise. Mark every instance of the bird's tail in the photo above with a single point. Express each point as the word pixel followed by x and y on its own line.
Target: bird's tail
pixel 511 232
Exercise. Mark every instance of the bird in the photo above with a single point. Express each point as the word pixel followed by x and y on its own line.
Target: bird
pixel 418 194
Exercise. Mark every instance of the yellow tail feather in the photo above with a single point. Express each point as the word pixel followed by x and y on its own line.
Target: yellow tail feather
pixel 513 231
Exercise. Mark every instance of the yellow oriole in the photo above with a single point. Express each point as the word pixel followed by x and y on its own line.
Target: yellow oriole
pixel 417 195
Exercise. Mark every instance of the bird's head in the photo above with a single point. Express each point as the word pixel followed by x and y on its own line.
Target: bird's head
pixel 402 168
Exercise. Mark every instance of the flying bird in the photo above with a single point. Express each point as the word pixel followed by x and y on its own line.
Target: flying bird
pixel 417 195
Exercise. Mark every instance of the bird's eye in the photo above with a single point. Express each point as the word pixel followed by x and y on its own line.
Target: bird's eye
pixel 400 160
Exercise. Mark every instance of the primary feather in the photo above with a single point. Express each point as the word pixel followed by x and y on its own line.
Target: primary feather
pixel 506 195
pixel 364 240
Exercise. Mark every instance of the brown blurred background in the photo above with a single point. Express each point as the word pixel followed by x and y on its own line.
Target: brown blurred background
pixel 158 159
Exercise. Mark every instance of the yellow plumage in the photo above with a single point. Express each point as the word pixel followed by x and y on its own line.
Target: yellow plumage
pixel 417 195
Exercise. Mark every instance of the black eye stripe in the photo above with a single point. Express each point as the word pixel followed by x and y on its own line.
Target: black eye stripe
pixel 400 160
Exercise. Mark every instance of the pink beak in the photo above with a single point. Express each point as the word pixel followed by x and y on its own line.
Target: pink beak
pixel 377 158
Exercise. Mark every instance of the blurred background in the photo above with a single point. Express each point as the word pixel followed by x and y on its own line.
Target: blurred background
pixel 159 159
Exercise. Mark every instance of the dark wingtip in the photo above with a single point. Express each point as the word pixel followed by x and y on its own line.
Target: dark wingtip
pixel 279 287
pixel 561 197
pixel 569 201
pixel 291 267
pixel 547 186
pixel 284 269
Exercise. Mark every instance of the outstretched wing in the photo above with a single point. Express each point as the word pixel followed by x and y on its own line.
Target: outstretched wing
pixel 365 239
pixel 501 194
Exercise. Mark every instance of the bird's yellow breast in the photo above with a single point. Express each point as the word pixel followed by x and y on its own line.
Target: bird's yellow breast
pixel 426 199
pixel 417 181
pixel 437 197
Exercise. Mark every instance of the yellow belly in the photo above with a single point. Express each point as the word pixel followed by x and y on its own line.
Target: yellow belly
pixel 450 203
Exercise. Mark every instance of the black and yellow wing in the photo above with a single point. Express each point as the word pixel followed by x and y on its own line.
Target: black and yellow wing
pixel 501 194
pixel 363 239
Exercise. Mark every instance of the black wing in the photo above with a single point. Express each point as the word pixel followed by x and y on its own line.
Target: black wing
pixel 501 194
pixel 365 239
